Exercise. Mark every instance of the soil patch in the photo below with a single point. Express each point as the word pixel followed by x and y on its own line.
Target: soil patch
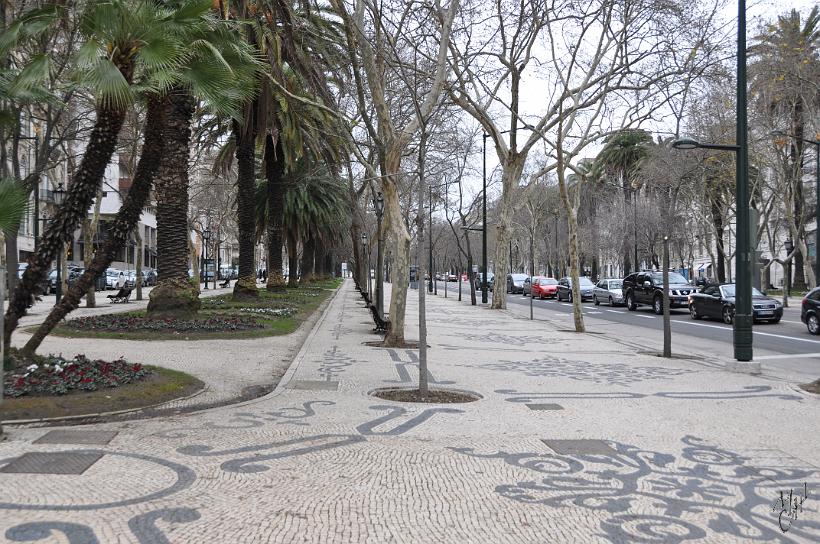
pixel 813 387
pixel 161 386
pixel 381 344
pixel 434 396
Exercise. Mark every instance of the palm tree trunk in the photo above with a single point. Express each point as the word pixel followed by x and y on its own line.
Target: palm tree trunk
pixel 306 267
pixel 293 261
pixel 174 295
pixel 245 287
pixel 274 172
pixel 320 259
pixel 101 145
pixel 127 217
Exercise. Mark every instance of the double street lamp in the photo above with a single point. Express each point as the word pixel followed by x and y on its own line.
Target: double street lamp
pixel 366 248
pixel 742 323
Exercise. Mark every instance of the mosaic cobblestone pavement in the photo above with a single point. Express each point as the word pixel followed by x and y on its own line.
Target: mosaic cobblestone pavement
pixel 646 450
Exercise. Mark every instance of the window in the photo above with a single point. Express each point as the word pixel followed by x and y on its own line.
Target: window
pixel 616 284
pixel 711 290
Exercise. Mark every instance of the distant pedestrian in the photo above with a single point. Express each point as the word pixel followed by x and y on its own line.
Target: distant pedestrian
pixel 121 281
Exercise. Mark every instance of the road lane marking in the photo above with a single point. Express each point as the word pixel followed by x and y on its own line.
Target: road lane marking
pixel 613 311
pixel 790 356
pixel 729 329
pixel 646 316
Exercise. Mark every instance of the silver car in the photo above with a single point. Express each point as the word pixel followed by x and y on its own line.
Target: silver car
pixel 608 290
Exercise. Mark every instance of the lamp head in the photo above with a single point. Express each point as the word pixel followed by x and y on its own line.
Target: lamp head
pixel 206 235
pixel 685 143
pixel 59 194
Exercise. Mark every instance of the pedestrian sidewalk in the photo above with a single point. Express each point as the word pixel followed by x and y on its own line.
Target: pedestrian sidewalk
pixel 575 439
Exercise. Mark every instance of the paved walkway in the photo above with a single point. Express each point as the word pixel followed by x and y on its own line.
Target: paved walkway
pixel 576 439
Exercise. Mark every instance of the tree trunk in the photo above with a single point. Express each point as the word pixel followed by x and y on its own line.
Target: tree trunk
pixel 12 256
pixel 509 180
pixel 174 295
pixel 81 191
pixel 127 217
pixel 572 230
pixel 716 209
pixel 245 286
pixel 306 267
pixel 396 231
pixel 89 231
pixel 320 257
pixel 293 261
pixel 274 173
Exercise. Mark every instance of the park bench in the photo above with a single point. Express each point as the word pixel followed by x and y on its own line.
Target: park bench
pixel 226 283
pixel 382 325
pixel 122 296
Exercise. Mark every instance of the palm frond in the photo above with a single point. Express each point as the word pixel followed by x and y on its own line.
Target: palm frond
pixel 13 204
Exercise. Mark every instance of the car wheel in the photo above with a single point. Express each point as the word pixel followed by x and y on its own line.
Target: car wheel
pixel 595 300
pixel 611 302
pixel 657 305
pixel 728 315
pixel 630 302
pixel 776 320
pixel 693 312
pixel 813 324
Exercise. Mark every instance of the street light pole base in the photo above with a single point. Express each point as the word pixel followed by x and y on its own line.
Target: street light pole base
pixel 743 367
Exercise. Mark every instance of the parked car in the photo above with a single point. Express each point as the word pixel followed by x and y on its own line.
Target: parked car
pixel 149 276
pixel 565 289
pixel 718 302
pixel 544 287
pixel 479 277
pixel 810 313
pixel 439 276
pixel 647 288
pixel 528 284
pixel 452 276
pixel 112 275
pixel 609 290
pixel 515 283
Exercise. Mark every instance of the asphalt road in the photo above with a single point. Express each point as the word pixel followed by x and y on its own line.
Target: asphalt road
pixel 786 345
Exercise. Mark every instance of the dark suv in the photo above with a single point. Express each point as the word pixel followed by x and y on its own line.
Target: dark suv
pixel 647 288
pixel 810 314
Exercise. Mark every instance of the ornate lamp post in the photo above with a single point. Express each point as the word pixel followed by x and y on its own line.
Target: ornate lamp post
pixel 378 204
pixel 365 248
pixel 206 235
pixel 59 198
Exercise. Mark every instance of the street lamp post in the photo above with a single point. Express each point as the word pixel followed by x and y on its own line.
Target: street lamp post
pixel 366 262
pixel 59 197
pixel 816 144
pixel 789 245
pixel 430 243
pixel 378 204
pixel 206 235
pixel 742 323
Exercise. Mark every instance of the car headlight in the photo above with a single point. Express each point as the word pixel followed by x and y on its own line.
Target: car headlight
pixel 777 304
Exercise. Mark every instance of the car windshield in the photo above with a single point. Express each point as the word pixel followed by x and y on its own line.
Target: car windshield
pixel 549 281
pixel 674 277
pixel 519 277
pixel 729 291
pixel 616 284
pixel 585 282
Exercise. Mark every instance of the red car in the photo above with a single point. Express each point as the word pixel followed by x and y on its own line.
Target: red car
pixel 544 287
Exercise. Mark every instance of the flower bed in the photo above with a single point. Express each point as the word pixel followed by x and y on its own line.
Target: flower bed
pixel 130 323
pixel 58 376
pixel 272 312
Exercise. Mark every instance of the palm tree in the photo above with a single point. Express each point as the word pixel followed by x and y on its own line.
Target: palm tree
pixel 123 40
pixel 786 61
pixel 298 45
pixel 314 212
pixel 220 70
pixel 621 156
